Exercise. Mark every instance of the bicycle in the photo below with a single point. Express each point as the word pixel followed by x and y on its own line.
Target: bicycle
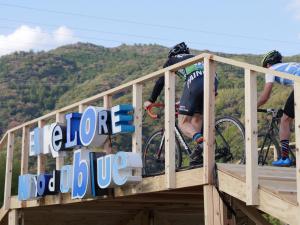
pixel 230 133
pixel 269 138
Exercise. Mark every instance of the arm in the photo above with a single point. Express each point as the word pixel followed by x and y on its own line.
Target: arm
pixel 159 85
pixel 265 95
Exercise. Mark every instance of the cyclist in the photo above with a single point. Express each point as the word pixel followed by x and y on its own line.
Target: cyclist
pixel 273 60
pixel 191 102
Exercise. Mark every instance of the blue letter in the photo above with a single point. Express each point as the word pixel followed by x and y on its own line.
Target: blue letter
pixel 27 187
pixel 88 128
pixel 73 122
pixel 66 177
pixel 81 178
pixel 121 120
pixel 104 171
pixel 42 184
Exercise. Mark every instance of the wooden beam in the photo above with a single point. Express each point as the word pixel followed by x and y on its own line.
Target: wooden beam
pixel 252 213
pixel 116 90
pixel 8 170
pixel 13 217
pixel 25 150
pixel 41 159
pixel 208 205
pixel 251 67
pixel 107 104
pixel 251 137
pixel 3 139
pixel 59 161
pixel 215 211
pixel 297 135
pixel 269 202
pixel 170 129
pixel 209 120
pixel 154 75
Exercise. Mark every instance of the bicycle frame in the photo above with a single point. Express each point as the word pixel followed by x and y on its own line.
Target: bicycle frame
pixel 179 137
pixel 270 136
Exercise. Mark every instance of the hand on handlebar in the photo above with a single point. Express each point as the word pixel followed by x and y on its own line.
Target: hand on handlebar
pixel 147 104
pixel 148 107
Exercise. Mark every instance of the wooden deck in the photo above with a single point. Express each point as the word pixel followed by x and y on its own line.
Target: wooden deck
pixel 151 199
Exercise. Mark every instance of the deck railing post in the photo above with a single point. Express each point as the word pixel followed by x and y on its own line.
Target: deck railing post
pixel 297 135
pixel 107 104
pixel 209 139
pixel 170 129
pixel 251 137
pixel 8 170
pixel 60 118
pixel 209 120
pixel 25 150
pixel 137 102
pixel 41 159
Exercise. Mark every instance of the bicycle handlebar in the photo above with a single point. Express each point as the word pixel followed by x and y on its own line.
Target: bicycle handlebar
pixel 275 112
pixel 154 105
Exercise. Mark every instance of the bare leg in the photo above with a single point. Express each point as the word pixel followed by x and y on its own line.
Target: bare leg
pixel 284 131
pixel 197 120
pixel 186 125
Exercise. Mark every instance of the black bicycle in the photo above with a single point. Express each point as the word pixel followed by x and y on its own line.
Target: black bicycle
pixel 268 136
pixel 229 144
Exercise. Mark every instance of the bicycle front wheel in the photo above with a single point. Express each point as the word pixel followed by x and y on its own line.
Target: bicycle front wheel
pixel 154 154
pixel 230 141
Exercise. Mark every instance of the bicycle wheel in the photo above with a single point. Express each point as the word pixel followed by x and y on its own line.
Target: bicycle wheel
pixel 154 154
pixel 230 140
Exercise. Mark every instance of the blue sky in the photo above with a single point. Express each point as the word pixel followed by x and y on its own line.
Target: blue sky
pixel 230 26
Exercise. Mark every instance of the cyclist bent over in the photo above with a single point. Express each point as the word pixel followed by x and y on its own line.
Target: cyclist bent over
pixel 191 102
pixel 273 60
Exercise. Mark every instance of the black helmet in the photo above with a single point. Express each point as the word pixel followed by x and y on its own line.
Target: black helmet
pixel 272 58
pixel 180 48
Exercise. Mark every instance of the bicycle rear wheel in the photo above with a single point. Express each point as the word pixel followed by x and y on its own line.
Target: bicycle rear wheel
pixel 154 154
pixel 230 140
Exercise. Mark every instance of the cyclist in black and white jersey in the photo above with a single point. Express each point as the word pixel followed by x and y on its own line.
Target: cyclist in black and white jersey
pixel 273 61
pixel 191 102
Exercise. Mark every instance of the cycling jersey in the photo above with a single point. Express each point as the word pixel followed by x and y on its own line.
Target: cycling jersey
pixel 191 101
pixel 291 68
pixel 182 73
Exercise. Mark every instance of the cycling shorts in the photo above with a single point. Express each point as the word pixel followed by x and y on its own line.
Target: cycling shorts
pixel 289 106
pixel 191 101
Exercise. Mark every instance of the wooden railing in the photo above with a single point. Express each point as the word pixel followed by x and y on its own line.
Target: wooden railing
pixel 251 72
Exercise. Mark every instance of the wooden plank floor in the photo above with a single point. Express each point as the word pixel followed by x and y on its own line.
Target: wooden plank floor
pixel 276 180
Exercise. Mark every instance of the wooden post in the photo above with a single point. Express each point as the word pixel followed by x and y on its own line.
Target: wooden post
pixel 297 136
pixel 107 104
pixel 170 129
pixel 8 170
pixel 25 150
pixel 208 204
pixel 41 159
pixel 137 101
pixel 215 213
pixel 60 118
pixel 13 217
pixel 251 137
pixel 209 120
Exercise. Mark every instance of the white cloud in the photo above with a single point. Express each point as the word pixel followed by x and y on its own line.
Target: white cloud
pixel 294 6
pixel 26 38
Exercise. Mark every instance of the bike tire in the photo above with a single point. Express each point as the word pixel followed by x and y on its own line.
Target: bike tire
pixel 230 141
pixel 153 165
